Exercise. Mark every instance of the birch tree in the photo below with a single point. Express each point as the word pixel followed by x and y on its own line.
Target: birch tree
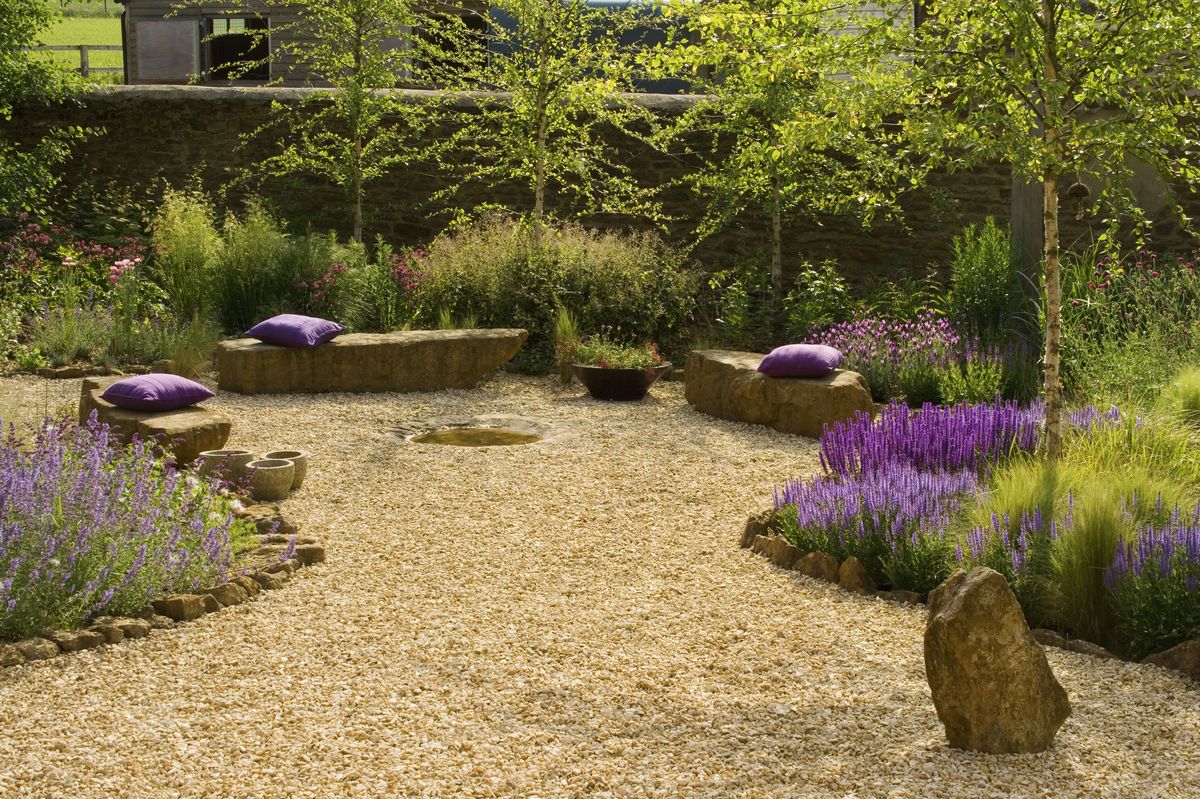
pixel 1060 90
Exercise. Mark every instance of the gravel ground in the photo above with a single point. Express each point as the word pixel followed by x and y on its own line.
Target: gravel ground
pixel 568 619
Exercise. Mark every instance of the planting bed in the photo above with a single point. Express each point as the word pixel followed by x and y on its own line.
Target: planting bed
pixel 548 620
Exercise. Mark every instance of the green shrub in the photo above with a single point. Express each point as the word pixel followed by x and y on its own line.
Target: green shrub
pixel 191 347
pixel 186 247
pixel 981 378
pixel 902 299
pixel 378 294
pixel 260 270
pixel 1129 324
pixel 919 381
pixel 502 275
pixel 983 280
pixel 820 298
pixel 1053 530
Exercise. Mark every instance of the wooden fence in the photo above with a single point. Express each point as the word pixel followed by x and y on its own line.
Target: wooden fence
pixel 85 67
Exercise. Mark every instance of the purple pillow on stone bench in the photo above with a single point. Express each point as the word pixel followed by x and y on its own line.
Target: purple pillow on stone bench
pixel 294 330
pixel 801 360
pixel 155 392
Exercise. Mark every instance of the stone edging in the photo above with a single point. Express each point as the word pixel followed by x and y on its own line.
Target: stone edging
pixel 763 536
pixel 268 570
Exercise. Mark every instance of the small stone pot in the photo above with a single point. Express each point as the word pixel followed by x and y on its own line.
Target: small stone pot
pixel 271 480
pixel 299 458
pixel 231 463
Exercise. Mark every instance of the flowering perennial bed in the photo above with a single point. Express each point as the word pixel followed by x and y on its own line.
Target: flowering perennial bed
pixel 89 527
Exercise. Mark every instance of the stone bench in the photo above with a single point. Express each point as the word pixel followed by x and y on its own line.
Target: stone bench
pixel 727 385
pixel 185 433
pixel 408 360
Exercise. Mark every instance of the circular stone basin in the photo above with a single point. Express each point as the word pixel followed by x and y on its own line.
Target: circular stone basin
pixel 488 430
pixel 477 437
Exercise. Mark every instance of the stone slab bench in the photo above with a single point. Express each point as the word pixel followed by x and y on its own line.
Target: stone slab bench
pixel 727 385
pixel 408 360
pixel 185 433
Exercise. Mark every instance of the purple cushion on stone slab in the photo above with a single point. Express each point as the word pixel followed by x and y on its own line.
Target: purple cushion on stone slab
pixel 155 392
pixel 801 360
pixel 294 330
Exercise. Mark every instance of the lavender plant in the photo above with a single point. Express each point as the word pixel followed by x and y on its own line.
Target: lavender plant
pixel 896 357
pixel 971 437
pixel 90 527
pixel 1155 583
pixel 894 519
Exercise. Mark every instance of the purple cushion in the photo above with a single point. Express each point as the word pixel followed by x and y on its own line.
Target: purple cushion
pixel 801 360
pixel 294 330
pixel 155 392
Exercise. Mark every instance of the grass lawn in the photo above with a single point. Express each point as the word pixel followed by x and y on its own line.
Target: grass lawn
pixel 88 30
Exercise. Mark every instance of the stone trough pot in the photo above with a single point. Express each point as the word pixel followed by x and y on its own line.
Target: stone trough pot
pixel 231 462
pixel 271 479
pixel 623 385
pixel 297 457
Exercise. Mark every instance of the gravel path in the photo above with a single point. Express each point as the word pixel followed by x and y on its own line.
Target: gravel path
pixel 558 620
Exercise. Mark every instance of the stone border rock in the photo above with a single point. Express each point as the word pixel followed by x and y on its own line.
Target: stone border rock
pixel 267 570
pixel 763 536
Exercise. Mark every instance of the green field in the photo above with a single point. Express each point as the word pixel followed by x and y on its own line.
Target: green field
pixel 88 30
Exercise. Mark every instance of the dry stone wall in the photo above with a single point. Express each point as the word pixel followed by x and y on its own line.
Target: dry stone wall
pixel 153 134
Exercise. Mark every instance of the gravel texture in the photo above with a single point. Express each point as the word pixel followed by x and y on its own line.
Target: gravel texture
pixel 567 619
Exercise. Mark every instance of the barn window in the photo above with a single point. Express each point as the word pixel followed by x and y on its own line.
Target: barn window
pixel 237 48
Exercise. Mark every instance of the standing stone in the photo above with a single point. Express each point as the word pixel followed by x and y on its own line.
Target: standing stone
pixel 991 683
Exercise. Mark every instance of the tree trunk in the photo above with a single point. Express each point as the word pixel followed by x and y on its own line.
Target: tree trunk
pixel 1053 385
pixel 542 122
pixel 776 247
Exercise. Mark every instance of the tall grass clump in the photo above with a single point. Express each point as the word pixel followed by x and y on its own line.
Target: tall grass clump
pixel 90 527
pixel 1181 398
pixel 186 246
pixel 502 274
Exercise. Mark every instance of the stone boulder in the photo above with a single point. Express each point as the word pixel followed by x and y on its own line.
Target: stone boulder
pixel 728 385
pixel 408 360
pixel 185 433
pixel 1184 658
pixel 992 686
pixel 854 577
pixel 776 549
pixel 763 523
pixel 819 566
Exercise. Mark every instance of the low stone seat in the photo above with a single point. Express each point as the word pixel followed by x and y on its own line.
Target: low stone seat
pixel 185 432
pixel 408 360
pixel 728 385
